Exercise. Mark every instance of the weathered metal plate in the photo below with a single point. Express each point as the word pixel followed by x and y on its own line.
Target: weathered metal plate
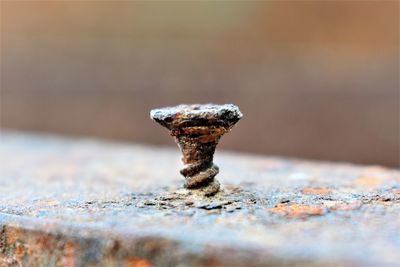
pixel 66 202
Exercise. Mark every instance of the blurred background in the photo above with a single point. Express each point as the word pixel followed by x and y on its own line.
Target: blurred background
pixel 314 79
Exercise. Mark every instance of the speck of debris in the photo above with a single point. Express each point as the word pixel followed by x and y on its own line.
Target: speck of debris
pixel 149 203
pixel 211 206
pixel 233 208
pixel 188 203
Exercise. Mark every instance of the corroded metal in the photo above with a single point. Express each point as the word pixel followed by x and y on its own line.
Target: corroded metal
pixel 197 130
pixel 82 202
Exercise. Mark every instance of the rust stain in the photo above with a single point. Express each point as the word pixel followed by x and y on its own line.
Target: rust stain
pixel 316 191
pixel 372 177
pixel 137 262
pixel 346 206
pixel 68 259
pixel 298 210
pixel 370 182
pixel 43 242
pixel 19 253
pixel 12 235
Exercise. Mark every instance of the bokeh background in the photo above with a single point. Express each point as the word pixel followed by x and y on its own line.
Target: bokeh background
pixel 315 79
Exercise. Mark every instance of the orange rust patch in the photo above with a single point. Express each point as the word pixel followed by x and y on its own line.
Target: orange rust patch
pixel 68 259
pixel 372 177
pixel 298 210
pixel 316 191
pixel 370 182
pixel 43 242
pixel 137 262
pixel 19 253
pixel 346 206
pixel 12 235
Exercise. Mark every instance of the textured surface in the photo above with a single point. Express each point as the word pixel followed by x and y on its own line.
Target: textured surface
pixel 85 202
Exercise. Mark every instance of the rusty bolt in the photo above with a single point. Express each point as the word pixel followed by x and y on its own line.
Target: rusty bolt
pixel 197 130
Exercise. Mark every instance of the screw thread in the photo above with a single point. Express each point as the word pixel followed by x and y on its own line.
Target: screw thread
pixel 203 178
pixel 199 170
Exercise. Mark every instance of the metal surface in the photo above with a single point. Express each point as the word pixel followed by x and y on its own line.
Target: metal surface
pixel 71 202
pixel 197 130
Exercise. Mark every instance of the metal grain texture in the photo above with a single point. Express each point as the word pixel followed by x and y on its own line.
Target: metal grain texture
pixel 66 202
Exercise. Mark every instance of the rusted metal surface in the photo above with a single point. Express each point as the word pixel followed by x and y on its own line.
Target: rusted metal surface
pixel 197 130
pixel 90 203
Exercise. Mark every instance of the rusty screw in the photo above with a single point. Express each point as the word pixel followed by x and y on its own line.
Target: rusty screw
pixel 197 130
